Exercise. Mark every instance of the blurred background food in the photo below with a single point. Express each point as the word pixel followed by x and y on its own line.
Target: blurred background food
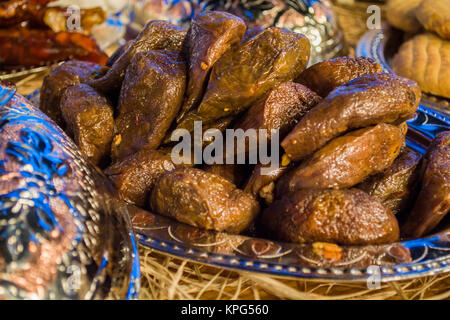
pixel 424 55
pixel 34 33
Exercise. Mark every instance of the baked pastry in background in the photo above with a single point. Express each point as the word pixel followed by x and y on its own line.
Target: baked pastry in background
pixel 426 60
pixel 402 14
pixel 434 15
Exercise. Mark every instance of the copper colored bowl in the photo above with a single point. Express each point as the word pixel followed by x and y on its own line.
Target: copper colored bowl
pixel 63 235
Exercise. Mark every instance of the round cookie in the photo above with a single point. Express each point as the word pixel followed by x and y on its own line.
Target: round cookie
pixel 434 15
pixel 426 60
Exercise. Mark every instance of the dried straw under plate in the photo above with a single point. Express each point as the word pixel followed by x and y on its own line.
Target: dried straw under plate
pixel 165 277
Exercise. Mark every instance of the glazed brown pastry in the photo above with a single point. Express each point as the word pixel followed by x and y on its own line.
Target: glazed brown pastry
pixel 250 33
pixel 403 128
pixel 56 82
pixel 347 217
pixel 362 102
pixel 234 173
pixel 346 160
pixel 221 125
pixel 156 35
pixel 279 109
pixel 89 119
pixel 425 59
pixel 203 200
pixel 402 14
pixel 434 15
pixel 324 77
pixel 245 73
pixel 136 175
pixel 37 14
pixel 116 55
pixel 395 185
pixel 14 12
pixel 210 35
pixel 433 202
pixel 149 101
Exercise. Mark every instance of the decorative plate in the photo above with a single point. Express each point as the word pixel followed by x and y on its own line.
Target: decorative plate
pixel 403 260
pixel 313 18
pixel 63 234
pixel 397 261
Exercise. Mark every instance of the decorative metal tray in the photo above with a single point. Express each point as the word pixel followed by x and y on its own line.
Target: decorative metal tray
pixel 63 234
pixel 16 72
pixel 402 260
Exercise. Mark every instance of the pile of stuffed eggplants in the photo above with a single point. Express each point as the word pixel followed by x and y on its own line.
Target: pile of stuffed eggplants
pixel 345 177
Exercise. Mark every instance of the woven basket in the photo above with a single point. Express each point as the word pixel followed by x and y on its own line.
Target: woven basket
pixel 165 277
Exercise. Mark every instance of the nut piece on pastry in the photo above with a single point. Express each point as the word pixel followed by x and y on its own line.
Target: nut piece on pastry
pixel 402 14
pixel 204 200
pixel 433 202
pixel 325 76
pixel 369 100
pixel 348 217
pixel 395 185
pixel 346 160
pixel 262 183
pixel 425 59
pixel 89 119
pixel 434 15
pixel 150 99
pixel 58 80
